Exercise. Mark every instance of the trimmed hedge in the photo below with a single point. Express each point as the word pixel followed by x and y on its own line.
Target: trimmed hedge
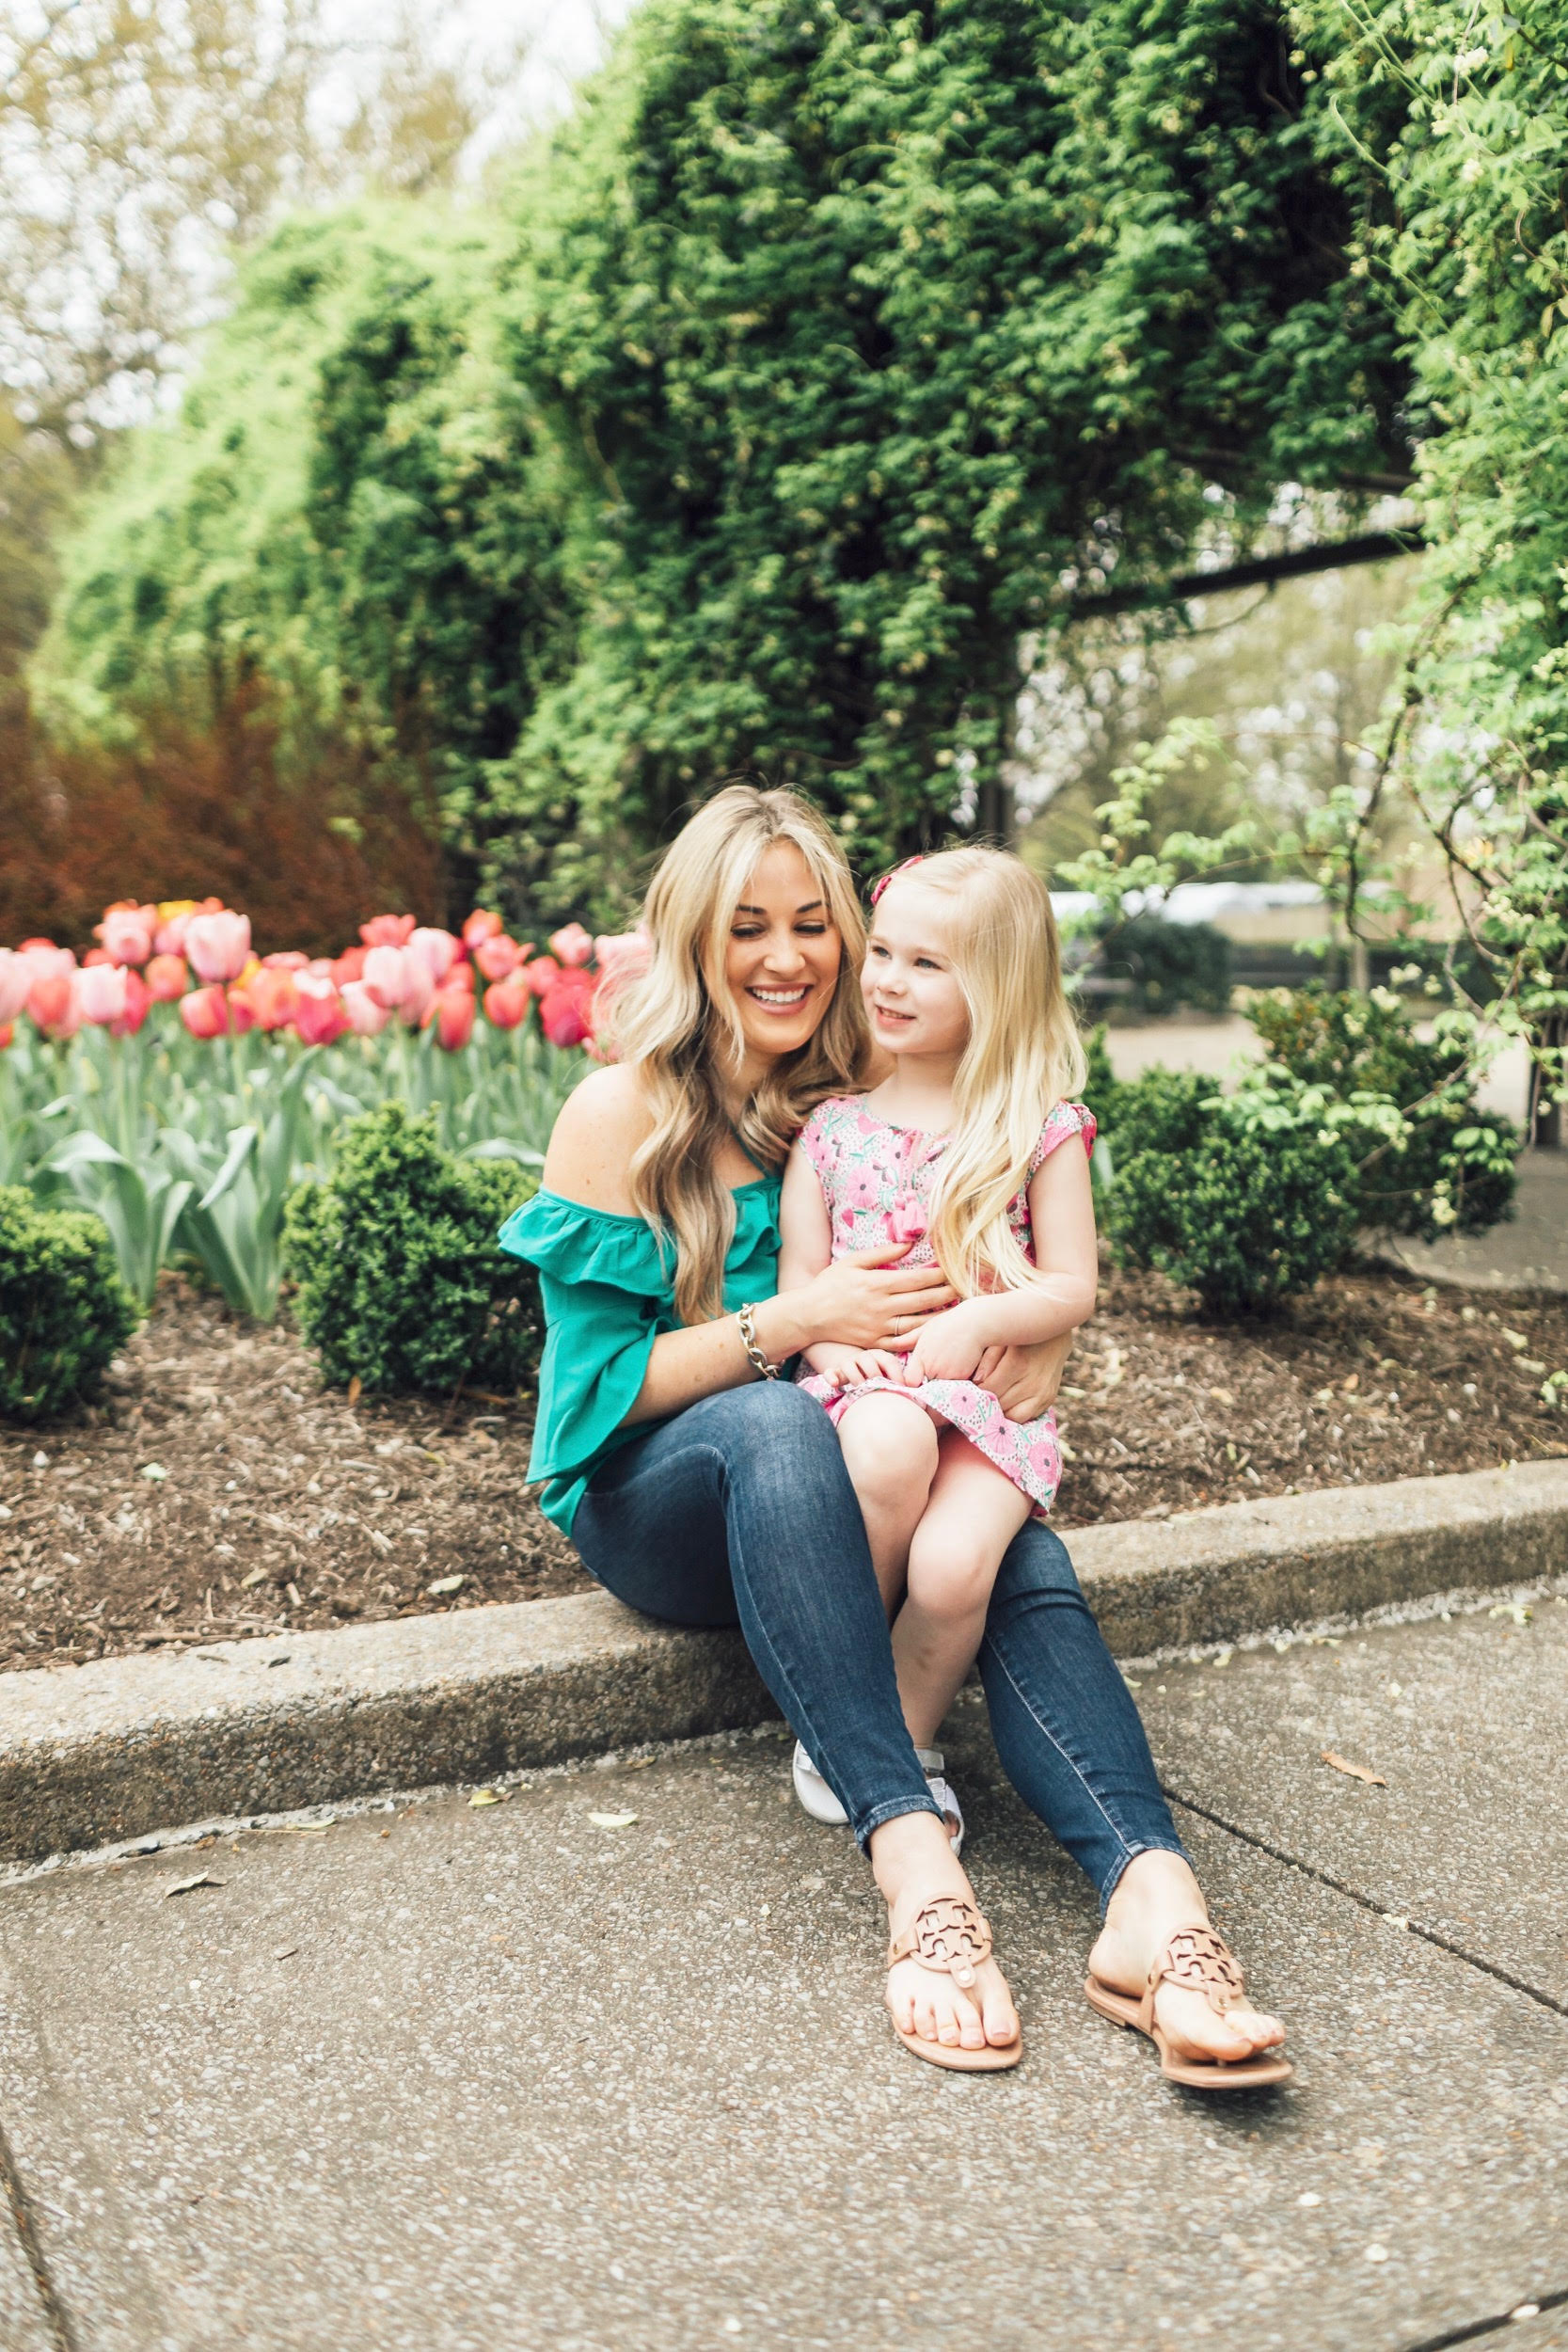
pixel 401 1284
pixel 64 1311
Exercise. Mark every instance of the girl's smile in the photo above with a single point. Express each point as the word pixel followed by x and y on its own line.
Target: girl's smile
pixel 910 987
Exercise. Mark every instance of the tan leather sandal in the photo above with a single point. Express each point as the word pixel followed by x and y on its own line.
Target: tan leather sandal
pixel 1199 1959
pixel 949 1936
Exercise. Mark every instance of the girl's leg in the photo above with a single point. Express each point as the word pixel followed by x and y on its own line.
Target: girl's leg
pixel 1071 1743
pixel 890 1452
pixel 971 1517
pixel 741 1507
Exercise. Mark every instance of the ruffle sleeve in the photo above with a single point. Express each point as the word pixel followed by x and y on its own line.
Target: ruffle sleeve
pixel 1068 1118
pixel 605 1288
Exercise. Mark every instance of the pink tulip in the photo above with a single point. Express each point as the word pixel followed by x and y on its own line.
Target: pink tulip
pixel 285 960
pixel 572 945
pixel 138 1001
pixel 15 980
pixel 166 978
pixel 218 945
pixel 101 994
pixel 451 1012
pixel 496 956
pixel 541 974
pixel 96 955
pixel 419 989
pixel 367 1014
pixel 43 960
pixel 128 931
pixel 479 927
pixel 566 1007
pixel 6 1033
pixel 205 1012
pixel 436 950
pixel 623 953
pixel 507 1002
pixel 386 975
pixel 54 1006
pixel 242 1012
pixel 387 931
pixel 350 966
pixel 320 1013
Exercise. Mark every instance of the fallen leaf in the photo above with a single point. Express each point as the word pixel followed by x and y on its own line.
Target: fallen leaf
pixel 612 1821
pixel 485 1796
pixel 445 1584
pixel 355 1387
pixel 1356 1771
pixel 255 1577
pixel 183 1886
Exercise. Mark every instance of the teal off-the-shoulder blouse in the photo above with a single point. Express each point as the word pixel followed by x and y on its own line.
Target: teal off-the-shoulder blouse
pixel 608 1292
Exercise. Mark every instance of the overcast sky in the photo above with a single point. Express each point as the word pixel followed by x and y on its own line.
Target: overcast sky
pixel 564 38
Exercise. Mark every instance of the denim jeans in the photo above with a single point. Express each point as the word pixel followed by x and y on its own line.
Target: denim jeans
pixel 741 1510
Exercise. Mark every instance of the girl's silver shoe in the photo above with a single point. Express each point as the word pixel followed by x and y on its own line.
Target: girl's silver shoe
pixel 818 1800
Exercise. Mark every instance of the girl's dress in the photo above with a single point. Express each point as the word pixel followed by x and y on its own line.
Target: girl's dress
pixel 876 1181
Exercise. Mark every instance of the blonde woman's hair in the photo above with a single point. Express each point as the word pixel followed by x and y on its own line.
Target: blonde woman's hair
pixel 1023 1055
pixel 678 1023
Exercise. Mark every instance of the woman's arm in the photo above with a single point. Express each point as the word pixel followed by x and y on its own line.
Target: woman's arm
pixel 805 1249
pixel 859 1300
pixel 1060 1296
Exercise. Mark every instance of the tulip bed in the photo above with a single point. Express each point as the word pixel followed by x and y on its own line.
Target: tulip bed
pixel 181 1087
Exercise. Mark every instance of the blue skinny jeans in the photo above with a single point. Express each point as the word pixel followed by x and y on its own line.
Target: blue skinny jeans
pixel 741 1510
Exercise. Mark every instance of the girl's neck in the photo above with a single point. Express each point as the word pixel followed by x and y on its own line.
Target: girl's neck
pixel 917 1093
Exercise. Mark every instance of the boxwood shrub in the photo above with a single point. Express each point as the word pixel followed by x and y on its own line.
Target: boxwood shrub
pixel 401 1284
pixel 64 1311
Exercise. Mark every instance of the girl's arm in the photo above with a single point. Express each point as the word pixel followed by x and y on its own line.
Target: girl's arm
pixel 1056 1301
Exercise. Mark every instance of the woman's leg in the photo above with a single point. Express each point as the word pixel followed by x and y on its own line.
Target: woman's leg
pixel 890 1452
pixel 741 1508
pixel 1072 1744
pixel 973 1514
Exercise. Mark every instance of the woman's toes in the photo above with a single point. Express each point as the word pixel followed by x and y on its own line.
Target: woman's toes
pixel 1000 2019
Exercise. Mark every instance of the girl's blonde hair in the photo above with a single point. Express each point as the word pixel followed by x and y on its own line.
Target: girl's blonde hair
pixel 1023 1055
pixel 678 1022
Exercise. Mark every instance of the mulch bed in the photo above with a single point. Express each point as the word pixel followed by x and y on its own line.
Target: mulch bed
pixel 219 1490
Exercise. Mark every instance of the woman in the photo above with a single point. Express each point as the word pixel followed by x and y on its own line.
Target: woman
pixel 701 1489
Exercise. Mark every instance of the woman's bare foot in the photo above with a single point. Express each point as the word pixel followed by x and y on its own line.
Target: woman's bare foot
pixel 913 1862
pixel 1155 1895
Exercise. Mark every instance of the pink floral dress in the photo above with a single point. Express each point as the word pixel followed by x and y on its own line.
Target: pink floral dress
pixel 876 1180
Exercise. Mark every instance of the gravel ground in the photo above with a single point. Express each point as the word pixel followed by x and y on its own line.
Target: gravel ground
pixel 219 1490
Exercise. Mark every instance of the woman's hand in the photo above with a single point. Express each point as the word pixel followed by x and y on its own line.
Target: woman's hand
pixel 949 1347
pixel 1024 1380
pixel 864 1300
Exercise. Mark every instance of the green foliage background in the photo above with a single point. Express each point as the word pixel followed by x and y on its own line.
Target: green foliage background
pixel 829 349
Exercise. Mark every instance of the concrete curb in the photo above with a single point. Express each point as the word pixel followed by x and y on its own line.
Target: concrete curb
pixel 94 1755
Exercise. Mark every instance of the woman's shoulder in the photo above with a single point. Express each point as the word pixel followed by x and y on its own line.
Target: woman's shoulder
pixel 599 1126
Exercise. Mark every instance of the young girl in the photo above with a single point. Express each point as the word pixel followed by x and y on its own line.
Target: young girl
pixel 959 1153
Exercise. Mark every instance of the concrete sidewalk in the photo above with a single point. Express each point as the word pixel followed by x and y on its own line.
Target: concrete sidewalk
pixel 471 2079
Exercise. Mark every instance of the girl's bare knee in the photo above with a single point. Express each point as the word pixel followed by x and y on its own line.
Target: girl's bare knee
pixel 950 1576
pixel 889 1446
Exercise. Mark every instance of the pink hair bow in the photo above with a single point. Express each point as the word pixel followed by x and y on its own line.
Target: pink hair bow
pixel 880 884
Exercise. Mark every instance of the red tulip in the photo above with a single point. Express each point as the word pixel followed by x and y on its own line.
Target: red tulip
pixel 242 1012
pixel 541 973
pixel 128 931
pixel 166 978
pixel 566 1007
pixel 270 997
pixel 508 1002
pixel 101 994
pixel 367 1014
pixel 461 976
pixel 6 1033
pixel 138 1001
pixel 205 1011
pixel 496 955
pixel 387 931
pixel 350 966
pixel 218 945
pixel 479 927
pixel 320 1014
pixel 54 1006
pixel 452 1013
pixel 96 955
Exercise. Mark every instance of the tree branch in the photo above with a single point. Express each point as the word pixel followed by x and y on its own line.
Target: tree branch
pixel 1372 546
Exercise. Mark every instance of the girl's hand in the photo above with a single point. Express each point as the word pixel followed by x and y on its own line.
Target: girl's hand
pixel 1026 1380
pixel 865 1300
pixel 869 1363
pixel 949 1348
